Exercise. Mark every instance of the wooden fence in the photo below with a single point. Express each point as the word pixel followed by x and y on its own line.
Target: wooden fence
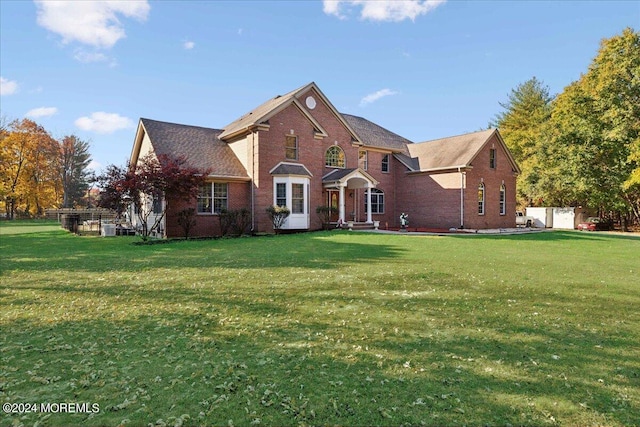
pixel 104 215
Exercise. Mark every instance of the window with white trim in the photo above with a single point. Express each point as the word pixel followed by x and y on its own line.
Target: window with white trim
pixel 362 159
pixel 213 197
pixel 334 157
pixel 481 199
pixel 297 198
pixel 385 163
pixel 503 200
pixel 377 201
pixel 281 194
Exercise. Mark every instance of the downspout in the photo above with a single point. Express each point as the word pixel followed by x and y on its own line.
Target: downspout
pixel 253 177
pixel 461 197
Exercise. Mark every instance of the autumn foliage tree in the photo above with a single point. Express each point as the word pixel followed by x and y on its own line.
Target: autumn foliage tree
pixel 39 172
pixel 30 163
pixel 150 186
pixel 596 123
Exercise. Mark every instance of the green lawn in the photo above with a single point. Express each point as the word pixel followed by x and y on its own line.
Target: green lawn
pixel 322 328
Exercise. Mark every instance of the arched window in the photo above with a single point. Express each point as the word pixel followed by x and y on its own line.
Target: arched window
pixel 334 157
pixel 481 199
pixel 377 201
pixel 503 200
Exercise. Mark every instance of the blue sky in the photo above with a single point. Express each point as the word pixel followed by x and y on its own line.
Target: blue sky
pixel 423 69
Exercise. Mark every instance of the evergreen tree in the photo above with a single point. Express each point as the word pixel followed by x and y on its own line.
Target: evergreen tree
pixel 75 159
pixel 523 125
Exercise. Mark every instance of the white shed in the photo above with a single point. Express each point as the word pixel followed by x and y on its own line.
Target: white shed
pixel 542 217
pixel 564 218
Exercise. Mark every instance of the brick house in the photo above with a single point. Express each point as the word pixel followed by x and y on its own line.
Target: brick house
pixel 298 150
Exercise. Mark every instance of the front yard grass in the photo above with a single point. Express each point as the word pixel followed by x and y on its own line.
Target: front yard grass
pixel 322 328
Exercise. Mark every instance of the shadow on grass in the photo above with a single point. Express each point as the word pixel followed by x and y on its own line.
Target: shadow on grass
pixel 60 251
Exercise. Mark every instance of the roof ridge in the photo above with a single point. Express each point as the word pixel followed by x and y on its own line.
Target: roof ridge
pixel 456 136
pixel 143 119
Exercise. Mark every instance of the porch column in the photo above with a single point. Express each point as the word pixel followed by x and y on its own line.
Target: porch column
pixel 341 205
pixel 369 220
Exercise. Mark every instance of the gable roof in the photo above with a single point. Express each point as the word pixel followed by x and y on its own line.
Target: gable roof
pixel 450 153
pixel 257 115
pixel 260 115
pixel 344 175
pixel 200 146
pixel 373 135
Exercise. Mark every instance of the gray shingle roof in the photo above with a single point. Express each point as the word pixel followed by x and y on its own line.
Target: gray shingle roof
pixel 373 135
pixel 257 115
pixel 337 174
pixel 200 146
pixel 290 169
pixel 455 151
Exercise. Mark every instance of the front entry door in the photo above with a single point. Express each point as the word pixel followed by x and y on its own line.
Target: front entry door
pixel 334 201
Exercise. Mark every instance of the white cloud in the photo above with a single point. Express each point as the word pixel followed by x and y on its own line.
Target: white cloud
pixel 93 23
pixel 41 112
pixel 373 97
pixel 102 122
pixel 8 87
pixel 382 10
pixel 332 7
pixel 188 45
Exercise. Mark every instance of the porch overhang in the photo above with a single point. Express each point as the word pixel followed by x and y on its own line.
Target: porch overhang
pixel 348 178
pixel 351 179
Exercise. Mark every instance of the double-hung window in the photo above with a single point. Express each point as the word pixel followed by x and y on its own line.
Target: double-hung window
pixel 385 163
pixel 213 197
pixel 377 201
pixel 362 159
pixel 297 198
pixel 503 200
pixel 492 158
pixel 281 194
pixel 291 147
pixel 481 199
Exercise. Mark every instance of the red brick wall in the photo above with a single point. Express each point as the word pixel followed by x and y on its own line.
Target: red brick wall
pixel 492 178
pixel 207 225
pixel 311 153
pixel 430 204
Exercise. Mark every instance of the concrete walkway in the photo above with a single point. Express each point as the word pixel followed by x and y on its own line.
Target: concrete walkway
pixel 458 232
